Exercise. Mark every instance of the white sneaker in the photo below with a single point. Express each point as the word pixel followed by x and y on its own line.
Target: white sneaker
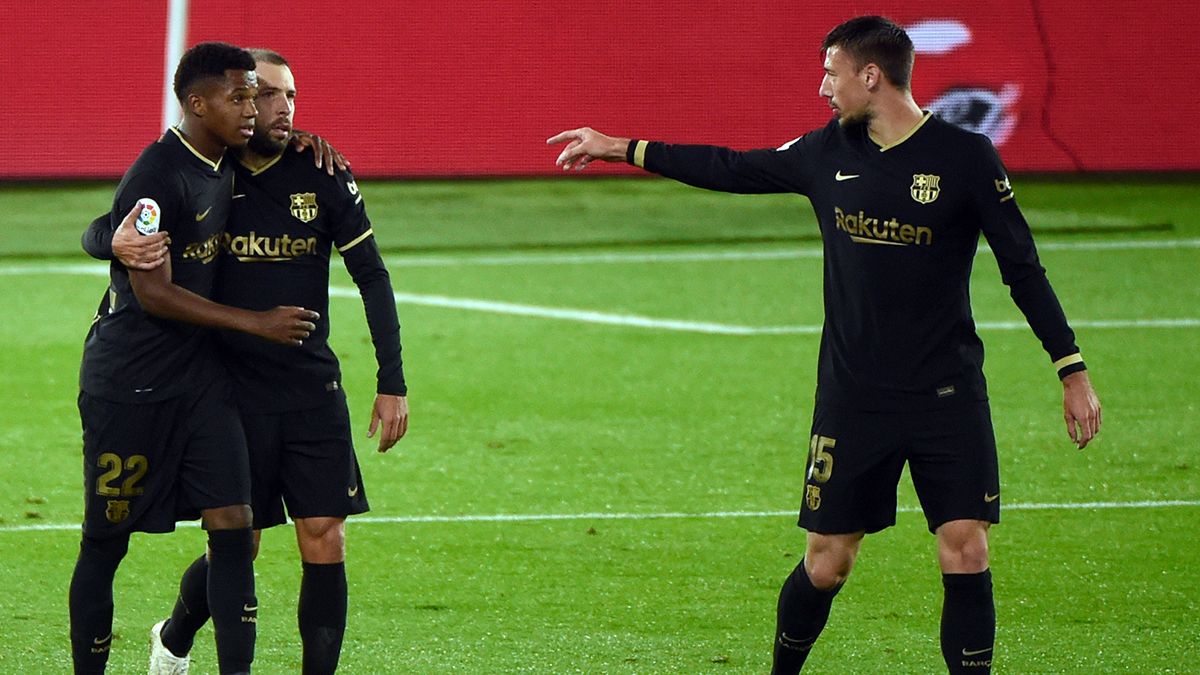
pixel 162 661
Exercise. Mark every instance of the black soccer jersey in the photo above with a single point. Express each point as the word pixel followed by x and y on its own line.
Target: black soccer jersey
pixel 129 355
pixel 287 217
pixel 900 226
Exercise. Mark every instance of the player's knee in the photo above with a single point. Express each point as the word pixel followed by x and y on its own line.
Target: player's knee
pixel 227 517
pixel 963 548
pixel 828 571
pixel 108 551
pixel 321 540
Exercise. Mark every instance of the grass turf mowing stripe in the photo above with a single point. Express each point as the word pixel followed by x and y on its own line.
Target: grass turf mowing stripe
pixel 665 515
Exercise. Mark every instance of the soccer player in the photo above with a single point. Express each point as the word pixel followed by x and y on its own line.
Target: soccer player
pixel 161 435
pixel 901 198
pixel 287 216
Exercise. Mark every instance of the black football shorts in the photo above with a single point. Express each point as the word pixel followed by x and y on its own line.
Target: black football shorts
pixel 148 465
pixel 855 459
pixel 304 459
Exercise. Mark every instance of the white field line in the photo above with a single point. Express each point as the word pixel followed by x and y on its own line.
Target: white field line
pixel 736 255
pixel 706 328
pixel 665 515
pixel 611 319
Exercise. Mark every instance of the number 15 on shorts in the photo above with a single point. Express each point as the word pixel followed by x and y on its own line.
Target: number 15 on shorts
pixel 818 469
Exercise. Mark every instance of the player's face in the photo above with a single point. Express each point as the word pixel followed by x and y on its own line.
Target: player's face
pixel 229 107
pixel 276 106
pixel 845 87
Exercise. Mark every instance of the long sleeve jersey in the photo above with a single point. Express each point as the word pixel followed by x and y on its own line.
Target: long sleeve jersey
pixel 900 225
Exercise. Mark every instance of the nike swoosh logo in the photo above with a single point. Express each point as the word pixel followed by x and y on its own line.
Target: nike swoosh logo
pixel 976 652
pixel 249 608
pixel 238 196
pixel 352 491
pixel 839 176
pixel 202 216
pixel 990 498
pixel 103 640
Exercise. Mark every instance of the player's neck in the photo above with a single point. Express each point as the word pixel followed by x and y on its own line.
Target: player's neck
pixel 894 118
pixel 204 143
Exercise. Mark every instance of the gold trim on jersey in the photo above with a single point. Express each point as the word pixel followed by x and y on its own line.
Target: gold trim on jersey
pixel 884 148
pixel 216 166
pixel 639 154
pixel 269 163
pixel 357 240
pixel 1068 361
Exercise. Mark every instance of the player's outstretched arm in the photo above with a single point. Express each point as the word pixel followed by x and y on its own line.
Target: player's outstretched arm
pixel 1081 408
pixel 159 297
pixel 389 416
pixel 585 145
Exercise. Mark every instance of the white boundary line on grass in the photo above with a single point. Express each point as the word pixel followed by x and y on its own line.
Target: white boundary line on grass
pixel 624 258
pixel 666 515
pixel 624 320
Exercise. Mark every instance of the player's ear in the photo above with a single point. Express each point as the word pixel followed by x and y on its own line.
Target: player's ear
pixel 872 76
pixel 197 104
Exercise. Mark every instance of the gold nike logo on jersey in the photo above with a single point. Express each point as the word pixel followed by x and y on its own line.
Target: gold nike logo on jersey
pixel 989 499
pixel 352 492
pixel 839 176
pixel 202 216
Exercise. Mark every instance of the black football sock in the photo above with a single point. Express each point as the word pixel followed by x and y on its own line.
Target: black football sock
pixel 322 616
pixel 191 609
pixel 968 622
pixel 231 598
pixel 91 601
pixel 802 612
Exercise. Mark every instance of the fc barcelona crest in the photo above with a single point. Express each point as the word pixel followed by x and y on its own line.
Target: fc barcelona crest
pixel 924 188
pixel 812 497
pixel 304 206
pixel 117 511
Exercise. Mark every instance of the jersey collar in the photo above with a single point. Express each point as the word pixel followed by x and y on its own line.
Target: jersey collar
pixel 270 163
pixel 905 137
pixel 215 166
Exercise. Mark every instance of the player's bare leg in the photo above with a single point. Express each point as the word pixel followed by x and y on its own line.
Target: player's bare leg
pixel 807 595
pixel 321 610
pixel 968 612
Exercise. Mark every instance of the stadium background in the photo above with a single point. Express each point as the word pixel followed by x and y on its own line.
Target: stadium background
pixel 420 89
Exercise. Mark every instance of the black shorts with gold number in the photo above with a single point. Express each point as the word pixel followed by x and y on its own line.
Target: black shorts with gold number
pixel 148 465
pixel 304 459
pixel 855 459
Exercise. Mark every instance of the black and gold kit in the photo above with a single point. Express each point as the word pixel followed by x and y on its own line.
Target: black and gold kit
pixel 161 436
pixel 288 217
pixel 130 355
pixel 900 225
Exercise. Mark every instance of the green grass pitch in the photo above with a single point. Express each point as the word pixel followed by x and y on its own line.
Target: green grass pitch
pixel 589 487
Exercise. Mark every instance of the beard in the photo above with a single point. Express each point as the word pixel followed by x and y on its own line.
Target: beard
pixel 852 119
pixel 263 144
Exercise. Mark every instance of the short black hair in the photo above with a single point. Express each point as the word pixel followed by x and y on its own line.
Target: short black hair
pixel 208 60
pixel 268 56
pixel 875 39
